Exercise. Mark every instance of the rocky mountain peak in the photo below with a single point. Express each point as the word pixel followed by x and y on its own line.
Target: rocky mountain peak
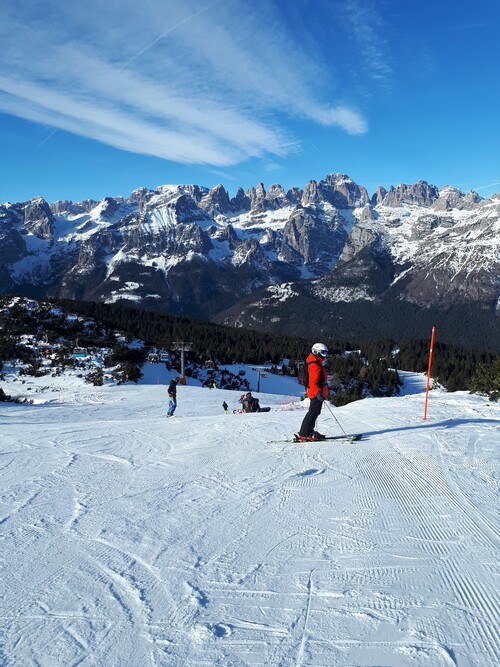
pixel 338 190
pixel 140 195
pixel 187 211
pixel 420 194
pixel 449 198
pixel 107 208
pixel 65 207
pixel 240 202
pixel 197 192
pixel 257 197
pixel 311 193
pixel 473 197
pixel 275 191
pixel 216 201
pixel 260 190
pixel 294 195
pixel 276 197
pixel 378 195
pixel 38 219
pixel 342 192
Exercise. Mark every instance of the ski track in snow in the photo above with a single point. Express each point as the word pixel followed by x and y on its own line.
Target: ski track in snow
pixel 133 540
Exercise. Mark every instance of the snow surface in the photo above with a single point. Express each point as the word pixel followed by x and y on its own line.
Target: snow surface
pixel 131 539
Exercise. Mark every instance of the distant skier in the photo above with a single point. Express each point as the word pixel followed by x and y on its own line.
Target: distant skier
pixel 172 394
pixel 225 406
pixel 317 389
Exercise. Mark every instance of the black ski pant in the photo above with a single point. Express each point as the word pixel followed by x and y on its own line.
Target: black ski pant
pixel 309 421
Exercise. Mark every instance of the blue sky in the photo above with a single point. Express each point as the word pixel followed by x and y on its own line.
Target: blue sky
pixel 98 99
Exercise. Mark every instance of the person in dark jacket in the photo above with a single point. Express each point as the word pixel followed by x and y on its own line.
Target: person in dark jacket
pixel 251 404
pixel 317 390
pixel 172 394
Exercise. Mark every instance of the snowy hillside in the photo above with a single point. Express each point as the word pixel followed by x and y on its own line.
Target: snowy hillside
pixel 132 539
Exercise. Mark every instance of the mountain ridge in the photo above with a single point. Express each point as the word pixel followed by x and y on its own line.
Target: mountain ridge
pixel 192 250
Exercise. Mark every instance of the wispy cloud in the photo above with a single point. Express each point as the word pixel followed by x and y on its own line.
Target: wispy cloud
pixel 368 30
pixel 195 82
pixel 176 26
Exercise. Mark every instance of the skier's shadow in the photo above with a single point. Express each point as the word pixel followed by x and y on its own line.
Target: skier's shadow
pixel 448 423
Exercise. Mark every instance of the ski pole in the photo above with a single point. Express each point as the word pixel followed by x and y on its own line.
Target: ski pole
pixel 331 412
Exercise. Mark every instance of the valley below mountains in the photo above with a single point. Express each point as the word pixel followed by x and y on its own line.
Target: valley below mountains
pixel 327 259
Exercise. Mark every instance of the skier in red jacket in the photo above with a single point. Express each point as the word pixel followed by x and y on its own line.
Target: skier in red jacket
pixel 317 389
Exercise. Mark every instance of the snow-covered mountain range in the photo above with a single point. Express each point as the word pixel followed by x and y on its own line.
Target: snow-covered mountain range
pixel 188 249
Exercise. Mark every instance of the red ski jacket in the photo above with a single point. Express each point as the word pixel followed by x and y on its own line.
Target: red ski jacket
pixel 317 377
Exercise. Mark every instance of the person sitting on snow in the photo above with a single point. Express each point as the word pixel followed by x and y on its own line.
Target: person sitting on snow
pixel 251 404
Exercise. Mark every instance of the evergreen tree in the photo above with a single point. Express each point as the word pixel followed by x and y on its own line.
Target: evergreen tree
pixel 486 380
pixel 96 377
pixel 3 396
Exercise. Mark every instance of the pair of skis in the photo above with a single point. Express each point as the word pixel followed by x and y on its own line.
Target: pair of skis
pixel 355 437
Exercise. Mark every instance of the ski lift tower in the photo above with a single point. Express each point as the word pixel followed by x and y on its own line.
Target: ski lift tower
pixel 262 373
pixel 182 347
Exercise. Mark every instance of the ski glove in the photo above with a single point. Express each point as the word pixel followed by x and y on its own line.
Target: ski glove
pixel 319 396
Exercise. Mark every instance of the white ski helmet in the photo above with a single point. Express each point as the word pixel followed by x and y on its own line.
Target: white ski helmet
pixel 319 349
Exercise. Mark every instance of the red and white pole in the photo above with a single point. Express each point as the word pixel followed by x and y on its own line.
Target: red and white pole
pixel 429 372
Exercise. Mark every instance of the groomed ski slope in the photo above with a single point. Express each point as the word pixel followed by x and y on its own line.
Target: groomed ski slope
pixel 134 540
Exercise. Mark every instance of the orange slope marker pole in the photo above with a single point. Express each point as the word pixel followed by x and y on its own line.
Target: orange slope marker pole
pixel 429 372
